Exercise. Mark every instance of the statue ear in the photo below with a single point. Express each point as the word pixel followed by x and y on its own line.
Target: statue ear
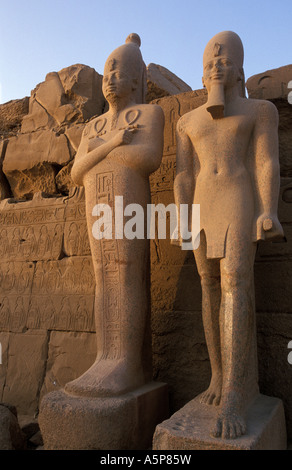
pixel 204 86
pixel 135 84
pixel 241 75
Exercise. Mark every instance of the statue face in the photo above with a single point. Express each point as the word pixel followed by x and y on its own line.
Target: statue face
pixel 117 84
pixel 220 70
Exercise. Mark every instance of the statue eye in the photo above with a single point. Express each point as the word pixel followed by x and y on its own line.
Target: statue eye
pixel 226 62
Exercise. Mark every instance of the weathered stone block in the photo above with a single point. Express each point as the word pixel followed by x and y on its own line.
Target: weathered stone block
pixel 180 355
pixel 285 201
pixel 4 342
pixel 72 94
pixel 189 428
pixel 27 150
pixel 11 436
pixel 161 82
pixel 30 161
pixel 4 186
pixel 271 84
pixel 274 333
pixel 273 291
pixel 27 355
pixel 70 355
pixel 114 423
pixel 180 290
pixel 11 115
pixel 83 89
pixel 174 107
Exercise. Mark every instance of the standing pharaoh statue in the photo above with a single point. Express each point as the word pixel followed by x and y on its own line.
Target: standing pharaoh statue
pixel 227 161
pixel 117 153
pixel 116 396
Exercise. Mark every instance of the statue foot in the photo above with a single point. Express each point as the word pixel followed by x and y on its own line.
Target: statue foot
pixel 230 423
pixel 107 378
pixel 212 395
pixel 229 426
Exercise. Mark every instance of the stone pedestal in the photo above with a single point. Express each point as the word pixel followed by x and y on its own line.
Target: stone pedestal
pixel 117 423
pixel 189 428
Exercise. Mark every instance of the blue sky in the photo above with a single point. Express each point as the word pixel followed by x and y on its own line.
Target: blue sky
pixel 37 37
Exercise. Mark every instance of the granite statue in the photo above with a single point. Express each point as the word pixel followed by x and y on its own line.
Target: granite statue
pixel 228 162
pixel 117 153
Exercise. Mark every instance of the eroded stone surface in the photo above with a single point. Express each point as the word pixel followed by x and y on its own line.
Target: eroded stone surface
pixel 27 355
pixel 188 429
pixel 72 94
pixel 81 423
pixel 161 82
pixel 5 191
pixel 11 115
pixel 271 84
pixel 11 436
pixel 69 355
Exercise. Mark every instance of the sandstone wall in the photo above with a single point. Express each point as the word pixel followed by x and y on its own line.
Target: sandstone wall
pixel 46 277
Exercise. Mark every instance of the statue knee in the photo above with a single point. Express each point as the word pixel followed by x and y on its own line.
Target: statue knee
pixel 233 282
pixel 208 281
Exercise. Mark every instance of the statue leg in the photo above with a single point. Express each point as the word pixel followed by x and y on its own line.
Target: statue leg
pixel 236 331
pixel 209 271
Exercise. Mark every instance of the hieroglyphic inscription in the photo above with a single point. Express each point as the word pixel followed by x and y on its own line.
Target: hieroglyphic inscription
pixel 49 295
pixel 111 273
pixel 163 178
pixel 76 241
pixel 30 233
pixel 63 295
pixel 174 107
pixel 172 114
pixel 15 289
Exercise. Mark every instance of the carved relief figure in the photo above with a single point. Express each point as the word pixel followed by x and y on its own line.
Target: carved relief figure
pixel 227 161
pixel 4 313
pixel 17 319
pixel 118 152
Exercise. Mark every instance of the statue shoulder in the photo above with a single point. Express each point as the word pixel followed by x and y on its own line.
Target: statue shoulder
pixel 188 120
pixel 154 109
pixel 263 110
pixel 152 113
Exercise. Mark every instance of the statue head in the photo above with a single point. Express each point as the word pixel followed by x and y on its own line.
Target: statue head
pixel 125 72
pixel 223 61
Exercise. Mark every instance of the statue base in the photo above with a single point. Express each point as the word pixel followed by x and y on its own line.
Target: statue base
pixel 189 428
pixel 125 422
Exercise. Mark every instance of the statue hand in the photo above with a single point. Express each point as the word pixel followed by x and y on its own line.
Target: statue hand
pixel 124 136
pixel 269 228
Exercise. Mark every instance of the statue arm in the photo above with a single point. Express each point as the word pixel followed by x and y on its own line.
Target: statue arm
pixel 184 184
pixel 267 172
pixel 85 161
